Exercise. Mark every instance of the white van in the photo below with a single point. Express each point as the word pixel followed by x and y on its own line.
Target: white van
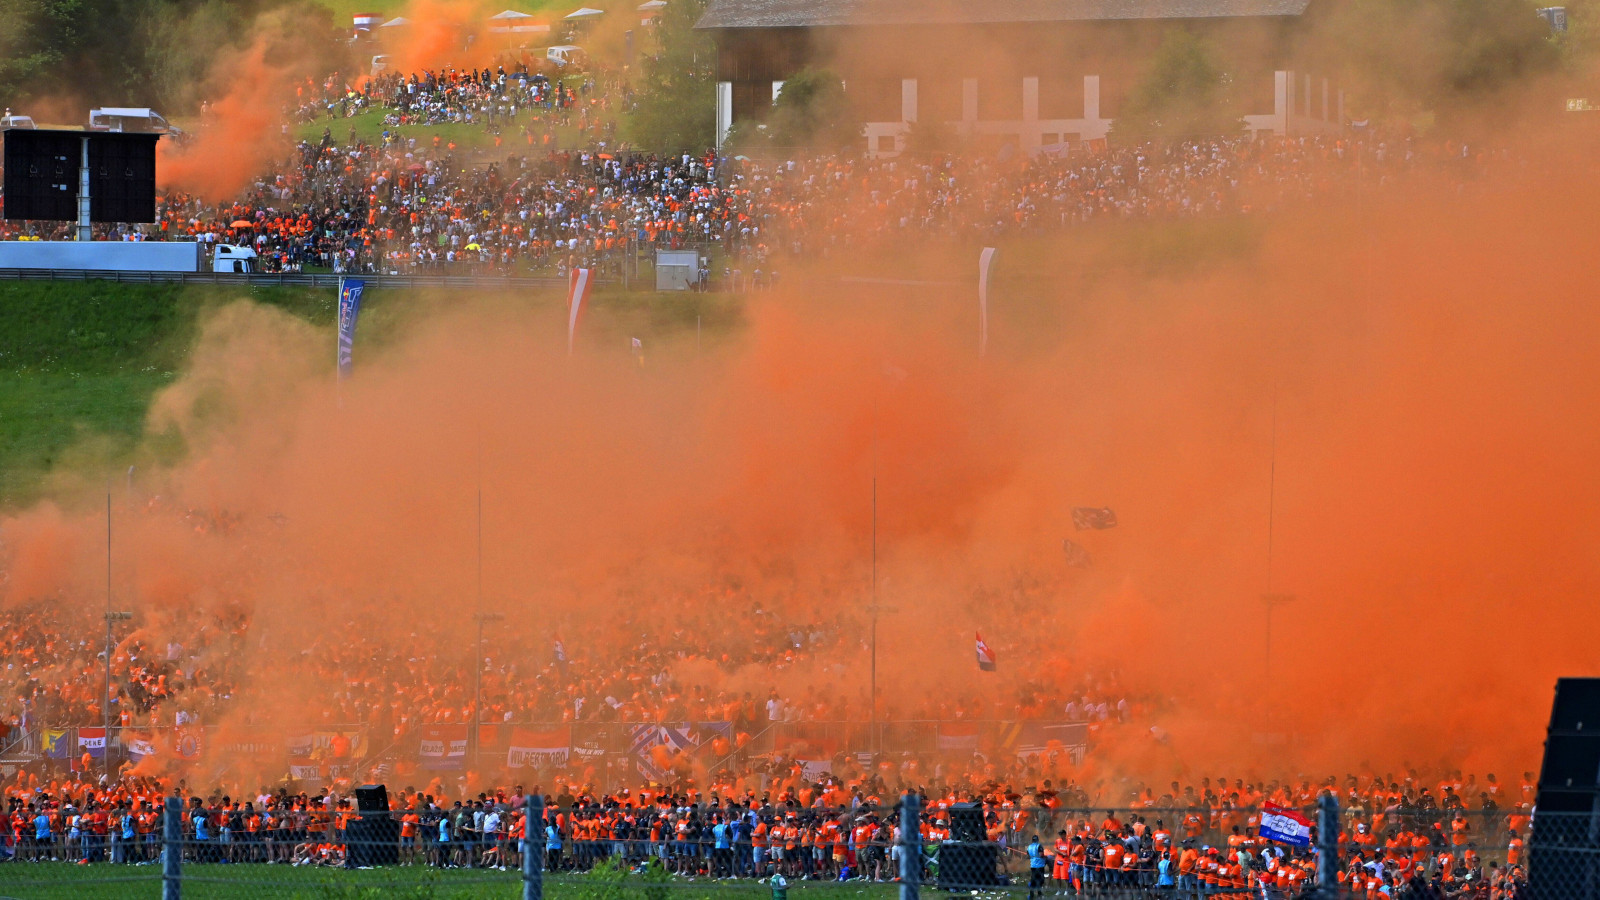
pixel 130 118
pixel 11 121
pixel 564 55
pixel 233 258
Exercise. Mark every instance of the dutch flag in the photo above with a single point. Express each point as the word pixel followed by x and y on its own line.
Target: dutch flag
pixel 1285 826
pixel 985 656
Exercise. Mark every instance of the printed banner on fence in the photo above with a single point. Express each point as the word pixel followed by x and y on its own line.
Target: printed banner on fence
pixel 538 749
pixel 659 750
pixel 1028 739
pixel 186 743
pixel 591 743
pixel 93 741
pixel 442 747
pixel 139 748
pixel 961 737
pixel 1285 826
pixel 305 771
pixel 55 743
pixel 814 769
pixel 320 744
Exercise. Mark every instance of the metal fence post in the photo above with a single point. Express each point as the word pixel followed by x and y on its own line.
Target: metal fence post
pixel 910 845
pixel 172 850
pixel 533 847
pixel 1328 846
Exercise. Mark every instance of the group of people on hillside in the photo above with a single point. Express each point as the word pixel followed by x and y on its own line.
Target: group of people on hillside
pixel 410 202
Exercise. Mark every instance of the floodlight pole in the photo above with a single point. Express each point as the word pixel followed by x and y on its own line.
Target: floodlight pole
pixel 84 231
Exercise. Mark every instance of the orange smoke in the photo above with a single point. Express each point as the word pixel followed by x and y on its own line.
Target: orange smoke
pixel 1414 363
pixel 244 128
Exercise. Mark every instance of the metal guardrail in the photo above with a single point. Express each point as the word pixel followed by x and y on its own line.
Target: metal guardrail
pixel 264 279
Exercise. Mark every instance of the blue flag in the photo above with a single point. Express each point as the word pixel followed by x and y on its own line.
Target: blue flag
pixel 55 743
pixel 349 308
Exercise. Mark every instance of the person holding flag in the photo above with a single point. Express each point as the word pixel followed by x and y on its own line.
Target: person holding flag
pixel 985 656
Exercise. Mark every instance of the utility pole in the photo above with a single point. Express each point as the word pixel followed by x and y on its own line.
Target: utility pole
pixel 874 608
pixel 481 618
pixel 111 617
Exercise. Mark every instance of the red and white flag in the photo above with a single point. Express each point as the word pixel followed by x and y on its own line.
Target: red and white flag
pixel 985 656
pixel 1284 826
pixel 578 286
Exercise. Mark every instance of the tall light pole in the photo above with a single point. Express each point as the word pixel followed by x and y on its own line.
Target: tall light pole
pixel 481 618
pixel 111 617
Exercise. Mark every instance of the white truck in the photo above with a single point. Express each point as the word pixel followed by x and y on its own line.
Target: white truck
pixel 126 256
pixel 131 118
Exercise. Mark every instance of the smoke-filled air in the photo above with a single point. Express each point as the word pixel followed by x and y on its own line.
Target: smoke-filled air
pixel 1378 409
pixel 719 439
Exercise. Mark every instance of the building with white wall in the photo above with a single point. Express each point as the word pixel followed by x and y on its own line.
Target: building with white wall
pixel 1029 73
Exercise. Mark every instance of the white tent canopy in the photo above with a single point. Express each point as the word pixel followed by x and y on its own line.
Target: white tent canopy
pixel 396 22
pixel 585 13
pixel 653 5
pixel 510 14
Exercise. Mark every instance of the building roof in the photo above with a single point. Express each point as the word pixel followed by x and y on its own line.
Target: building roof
pixel 815 13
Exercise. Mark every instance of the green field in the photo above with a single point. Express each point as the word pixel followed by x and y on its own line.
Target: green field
pixel 369 127
pixel 80 361
pixel 49 881
pixel 344 9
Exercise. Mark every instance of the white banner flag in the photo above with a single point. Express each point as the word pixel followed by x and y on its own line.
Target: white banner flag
pixel 985 264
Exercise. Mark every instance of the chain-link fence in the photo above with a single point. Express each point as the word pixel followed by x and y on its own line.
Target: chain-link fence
pixel 674 849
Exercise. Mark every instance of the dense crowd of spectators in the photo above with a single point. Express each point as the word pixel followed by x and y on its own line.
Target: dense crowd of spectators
pixel 1397 837
pixel 402 203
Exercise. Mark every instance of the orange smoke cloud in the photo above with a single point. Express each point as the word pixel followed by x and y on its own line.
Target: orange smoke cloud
pixel 243 130
pixel 1417 371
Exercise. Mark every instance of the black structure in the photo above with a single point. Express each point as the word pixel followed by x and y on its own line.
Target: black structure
pixel 44 168
pixel 372 798
pixel 1564 847
pixel 42 174
pixel 966 823
pixel 966 867
pixel 373 838
pixel 122 177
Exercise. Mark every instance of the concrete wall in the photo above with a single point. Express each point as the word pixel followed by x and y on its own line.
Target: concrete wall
pixel 1302 105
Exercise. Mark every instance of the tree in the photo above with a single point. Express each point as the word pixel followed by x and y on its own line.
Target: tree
pixel 813 111
pixel 1400 60
pixel 1185 91
pixel 675 105
pixel 38 37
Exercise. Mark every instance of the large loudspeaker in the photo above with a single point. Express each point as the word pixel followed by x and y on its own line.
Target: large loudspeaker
pixel 966 823
pixel 42 174
pixel 122 177
pixel 373 840
pixel 1564 848
pixel 966 867
pixel 43 168
pixel 371 798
